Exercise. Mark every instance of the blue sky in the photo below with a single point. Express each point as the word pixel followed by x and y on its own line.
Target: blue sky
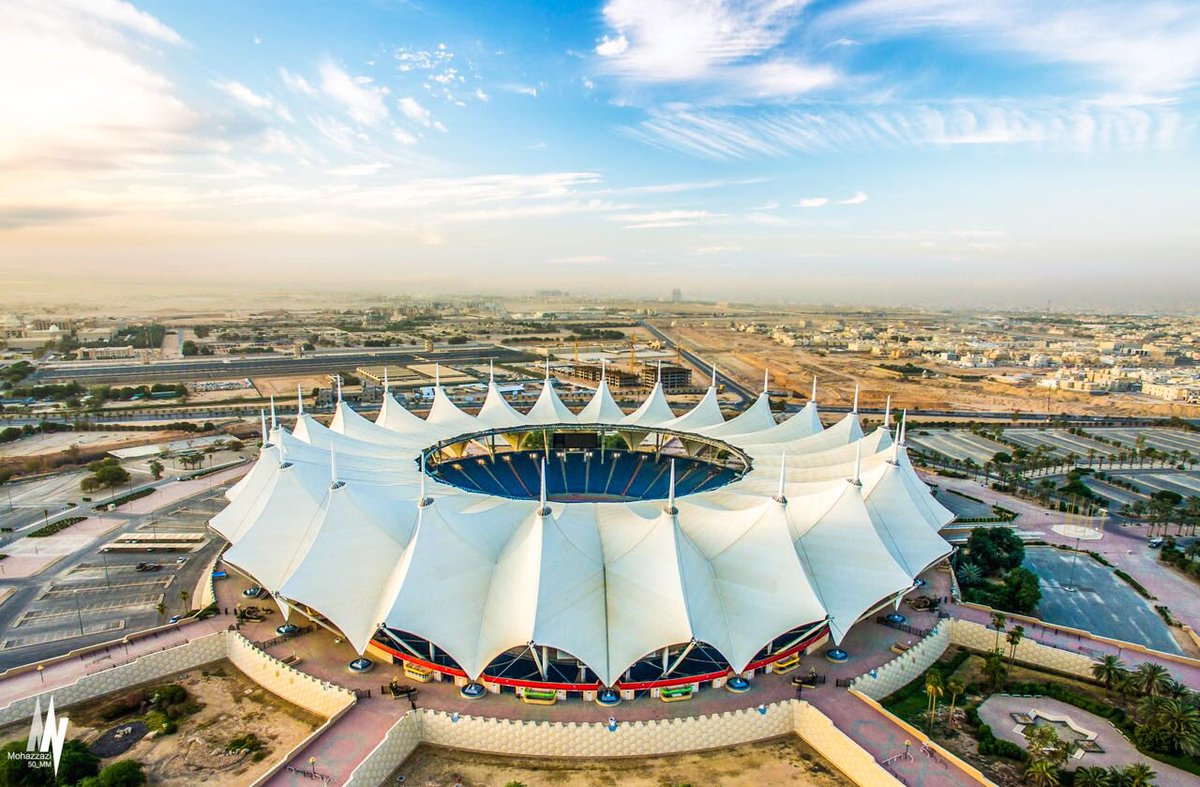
pixel 934 152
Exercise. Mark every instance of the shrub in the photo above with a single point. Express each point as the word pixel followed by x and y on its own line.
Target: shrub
pixel 122 773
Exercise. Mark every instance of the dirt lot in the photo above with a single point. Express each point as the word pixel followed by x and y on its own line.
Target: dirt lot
pixel 284 388
pixel 232 706
pixel 784 761
pixel 54 442
pixel 744 356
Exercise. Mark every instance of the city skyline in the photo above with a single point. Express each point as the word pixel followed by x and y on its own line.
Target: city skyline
pixel 865 151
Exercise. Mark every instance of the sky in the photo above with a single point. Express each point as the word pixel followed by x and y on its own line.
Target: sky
pixel 907 152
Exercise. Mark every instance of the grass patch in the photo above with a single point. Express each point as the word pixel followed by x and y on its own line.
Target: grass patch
pixel 128 498
pixel 56 527
pixel 1133 583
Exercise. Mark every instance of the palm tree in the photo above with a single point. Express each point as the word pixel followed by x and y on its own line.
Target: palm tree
pixel 1138 775
pixel 1182 720
pixel 183 599
pixel 1014 638
pixel 1109 669
pixel 956 687
pixel 161 609
pixel 994 668
pixel 997 623
pixel 1092 777
pixel 1042 773
pixel 1151 679
pixel 934 688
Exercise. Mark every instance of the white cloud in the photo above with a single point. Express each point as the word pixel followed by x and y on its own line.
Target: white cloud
pixel 243 94
pixel 413 110
pixel 721 133
pixel 813 202
pixel 706 250
pixel 257 40
pixel 522 90
pixel 362 102
pixel 611 47
pixel 658 219
pixel 296 83
pixel 403 137
pixel 1141 47
pixel 858 199
pixel 582 259
pixel 482 96
pixel 733 46
pixel 83 87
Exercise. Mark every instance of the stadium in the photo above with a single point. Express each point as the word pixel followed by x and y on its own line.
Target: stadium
pixel 599 552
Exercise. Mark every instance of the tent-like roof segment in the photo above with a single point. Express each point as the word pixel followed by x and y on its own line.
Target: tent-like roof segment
pixel 826 524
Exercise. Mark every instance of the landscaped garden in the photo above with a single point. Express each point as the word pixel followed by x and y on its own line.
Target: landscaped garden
pixel 1157 714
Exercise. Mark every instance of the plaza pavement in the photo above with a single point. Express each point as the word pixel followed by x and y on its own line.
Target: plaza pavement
pixel 1117 752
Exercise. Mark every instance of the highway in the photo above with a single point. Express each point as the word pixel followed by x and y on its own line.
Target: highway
pixel 226 368
pixel 744 394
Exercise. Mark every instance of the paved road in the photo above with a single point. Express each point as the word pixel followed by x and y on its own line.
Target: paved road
pixel 85 566
pixel 744 394
pixel 269 364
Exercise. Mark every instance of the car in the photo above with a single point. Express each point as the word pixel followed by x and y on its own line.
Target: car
pixel 181 560
pixel 175 618
pixel 287 628
pixel 220 574
pixel 1156 542
pixel 140 567
pixel 254 591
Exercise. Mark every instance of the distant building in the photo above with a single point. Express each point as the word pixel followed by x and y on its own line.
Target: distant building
pixel 672 376
pixel 617 378
pixel 676 295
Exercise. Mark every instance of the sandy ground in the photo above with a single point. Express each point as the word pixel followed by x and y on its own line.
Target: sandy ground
pixel 232 706
pixel 745 355
pixel 284 388
pixel 778 762
pixel 61 441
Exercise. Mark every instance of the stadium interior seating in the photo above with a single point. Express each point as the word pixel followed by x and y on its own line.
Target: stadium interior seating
pixel 582 475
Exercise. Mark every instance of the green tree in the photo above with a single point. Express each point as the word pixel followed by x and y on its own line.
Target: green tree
pixel 18 773
pixel 995 669
pixel 1014 638
pixel 1044 745
pixel 183 599
pixel 997 622
pixel 1091 777
pixel 934 688
pixel 1110 670
pixel 156 469
pixel 955 687
pixel 1042 773
pixel 77 762
pixel 1138 775
pixel 1151 679
pixel 122 773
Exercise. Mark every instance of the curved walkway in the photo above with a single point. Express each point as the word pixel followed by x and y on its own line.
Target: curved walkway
pixel 1118 750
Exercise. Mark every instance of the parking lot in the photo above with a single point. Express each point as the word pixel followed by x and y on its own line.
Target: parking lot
pixel 96 592
pixel 956 443
pixel 1101 603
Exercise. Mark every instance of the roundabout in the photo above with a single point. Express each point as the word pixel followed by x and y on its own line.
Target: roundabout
pixel 595 554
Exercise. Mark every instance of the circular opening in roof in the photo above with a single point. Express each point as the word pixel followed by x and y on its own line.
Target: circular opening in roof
pixel 585 463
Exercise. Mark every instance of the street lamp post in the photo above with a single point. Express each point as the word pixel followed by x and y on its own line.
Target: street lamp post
pixel 78 611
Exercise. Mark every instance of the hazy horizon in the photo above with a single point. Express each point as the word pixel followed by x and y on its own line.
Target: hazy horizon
pixel 936 153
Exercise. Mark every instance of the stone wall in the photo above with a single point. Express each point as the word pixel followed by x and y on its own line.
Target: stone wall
pixel 630 739
pixel 908 666
pixel 150 667
pixel 978 637
pixel 303 690
pixel 298 688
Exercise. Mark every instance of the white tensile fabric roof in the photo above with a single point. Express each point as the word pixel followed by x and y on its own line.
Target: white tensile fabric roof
pixel 827 525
